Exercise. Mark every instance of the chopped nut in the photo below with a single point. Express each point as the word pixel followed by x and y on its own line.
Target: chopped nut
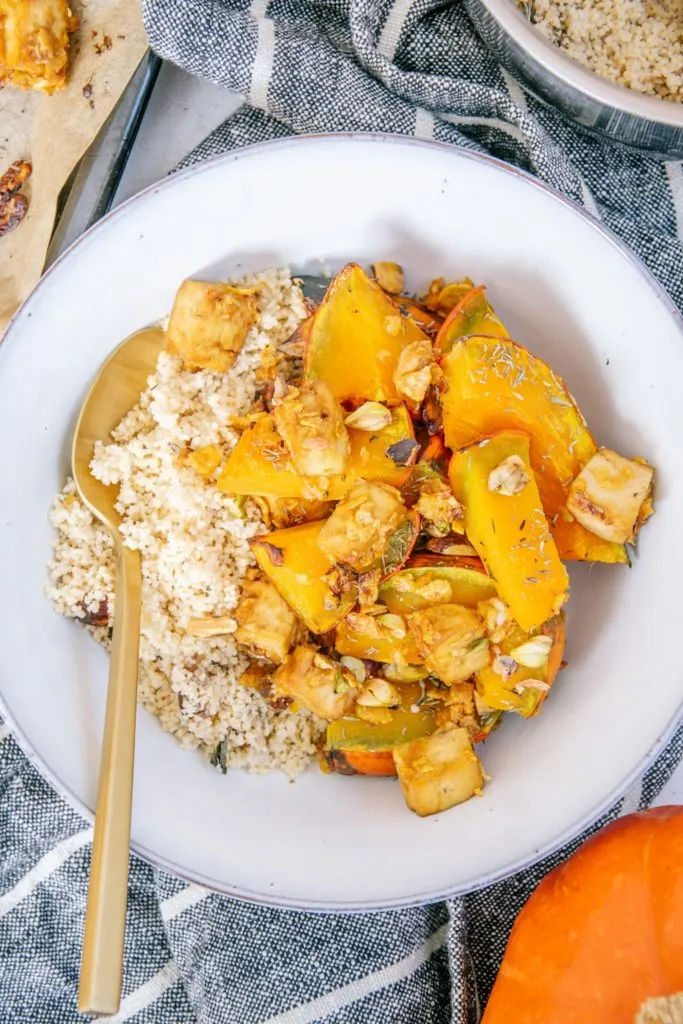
pixel 379 694
pixel 533 653
pixel 394 624
pixel 370 416
pixel 497 618
pixel 531 684
pixel 413 373
pixel 375 716
pixel 504 666
pixel 438 506
pixel 392 325
pixel 389 277
pixel 403 453
pixel 356 666
pixel 509 477
pixel 221 625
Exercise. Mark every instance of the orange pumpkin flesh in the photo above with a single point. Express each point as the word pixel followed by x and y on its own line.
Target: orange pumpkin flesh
pixel 602 933
pixel 492 385
pixel 501 695
pixel 356 338
pixel 260 464
pixel 296 567
pixel 471 315
pixel 509 531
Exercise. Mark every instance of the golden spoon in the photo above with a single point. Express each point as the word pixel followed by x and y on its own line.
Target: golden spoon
pixel 113 393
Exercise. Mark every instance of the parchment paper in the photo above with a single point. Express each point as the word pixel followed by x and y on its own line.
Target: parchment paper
pixel 53 132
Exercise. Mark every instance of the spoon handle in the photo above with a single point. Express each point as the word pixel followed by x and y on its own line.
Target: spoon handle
pixel 105 919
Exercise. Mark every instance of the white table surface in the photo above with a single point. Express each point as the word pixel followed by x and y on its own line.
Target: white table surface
pixel 182 112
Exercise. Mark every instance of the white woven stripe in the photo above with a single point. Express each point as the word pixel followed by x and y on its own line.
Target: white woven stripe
pixel 492 122
pixel 674 172
pixel 589 201
pixel 390 35
pixel 334 1001
pixel 43 869
pixel 632 799
pixel 262 69
pixel 514 88
pixel 4 732
pixel 424 124
pixel 146 994
pixel 188 897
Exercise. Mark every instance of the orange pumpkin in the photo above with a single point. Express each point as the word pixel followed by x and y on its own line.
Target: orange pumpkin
pixel 602 933
pixel 493 385
pixel 356 337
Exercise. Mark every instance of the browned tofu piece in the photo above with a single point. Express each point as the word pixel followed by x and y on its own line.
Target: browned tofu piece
pixel 310 421
pixel 357 532
pixel 34 43
pixel 323 686
pixel 452 641
pixel 209 322
pixel 438 771
pixel 607 495
pixel 267 625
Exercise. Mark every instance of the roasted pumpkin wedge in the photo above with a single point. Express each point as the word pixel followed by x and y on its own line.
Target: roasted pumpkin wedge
pixel 505 523
pixel 356 337
pixel 260 463
pixel 493 384
pixel 508 684
pixel 354 747
pixel 377 638
pixel 464 582
pixel 471 315
pixel 296 566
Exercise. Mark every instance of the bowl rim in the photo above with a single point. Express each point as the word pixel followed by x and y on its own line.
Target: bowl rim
pixel 574 829
pixel 574 75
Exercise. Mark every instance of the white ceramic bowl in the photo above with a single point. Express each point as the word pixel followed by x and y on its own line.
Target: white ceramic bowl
pixel 565 288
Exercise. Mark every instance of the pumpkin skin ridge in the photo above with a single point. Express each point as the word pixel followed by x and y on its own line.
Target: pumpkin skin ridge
pixel 602 933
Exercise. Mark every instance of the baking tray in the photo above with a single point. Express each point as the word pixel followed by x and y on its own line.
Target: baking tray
pixel 89 193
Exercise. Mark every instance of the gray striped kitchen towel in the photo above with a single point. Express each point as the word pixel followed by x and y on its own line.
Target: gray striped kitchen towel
pixel 193 957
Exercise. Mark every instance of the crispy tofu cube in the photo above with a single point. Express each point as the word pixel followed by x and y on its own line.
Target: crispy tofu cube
pixel 607 495
pixel 323 686
pixel 438 771
pixel 310 421
pixel 357 532
pixel 34 43
pixel 452 641
pixel 267 625
pixel 209 322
